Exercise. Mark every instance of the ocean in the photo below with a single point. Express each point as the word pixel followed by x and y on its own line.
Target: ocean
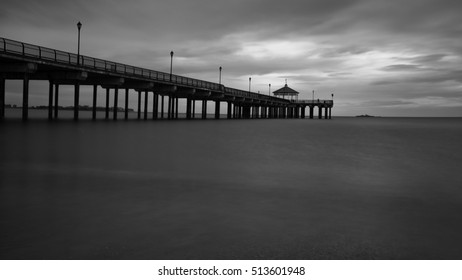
pixel 346 188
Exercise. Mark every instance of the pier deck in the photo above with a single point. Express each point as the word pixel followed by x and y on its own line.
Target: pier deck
pixel 22 61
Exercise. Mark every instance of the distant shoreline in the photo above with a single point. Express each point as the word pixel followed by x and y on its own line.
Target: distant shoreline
pixel 367 116
pixel 81 108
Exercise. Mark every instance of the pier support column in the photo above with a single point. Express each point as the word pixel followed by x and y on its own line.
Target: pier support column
pixel 146 105
pixel 311 111
pixel 247 112
pixel 173 108
pixel 93 110
pixel 116 102
pixel 193 109
pixel 169 108
pixel 204 109
pixel 162 107
pixel 320 112
pixel 303 108
pixel 106 116
pixel 25 97
pixel 188 108
pixel 176 107
pixel 139 104
pixel 126 104
pixel 228 113
pixel 2 96
pixel 326 113
pixel 155 106
pixel 330 113
pixel 217 109
pixel 50 100
pixel 76 101
pixel 174 99
pixel 56 101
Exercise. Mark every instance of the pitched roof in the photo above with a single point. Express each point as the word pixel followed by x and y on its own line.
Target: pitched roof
pixel 285 91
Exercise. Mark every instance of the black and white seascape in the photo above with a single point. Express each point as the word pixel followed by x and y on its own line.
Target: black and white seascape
pixel 383 187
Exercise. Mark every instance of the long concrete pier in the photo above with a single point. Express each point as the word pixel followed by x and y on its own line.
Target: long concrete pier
pixel 26 62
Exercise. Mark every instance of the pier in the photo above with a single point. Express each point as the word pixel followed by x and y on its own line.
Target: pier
pixel 26 62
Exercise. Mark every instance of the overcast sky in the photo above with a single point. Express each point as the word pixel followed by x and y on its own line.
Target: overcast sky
pixel 388 58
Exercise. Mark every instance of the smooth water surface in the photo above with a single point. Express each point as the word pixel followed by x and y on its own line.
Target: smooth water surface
pixel 346 188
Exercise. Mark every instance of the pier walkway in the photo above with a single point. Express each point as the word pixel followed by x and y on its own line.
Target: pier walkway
pixel 22 61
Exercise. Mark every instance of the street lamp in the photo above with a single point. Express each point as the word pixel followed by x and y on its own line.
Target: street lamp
pixel 250 81
pixel 332 98
pixel 171 64
pixel 313 96
pixel 219 80
pixel 269 91
pixel 79 26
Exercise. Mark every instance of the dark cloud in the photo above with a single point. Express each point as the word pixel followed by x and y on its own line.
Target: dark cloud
pixel 434 77
pixel 386 103
pixel 402 67
pixel 431 58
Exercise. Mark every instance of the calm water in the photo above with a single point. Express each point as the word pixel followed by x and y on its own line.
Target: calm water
pixel 348 188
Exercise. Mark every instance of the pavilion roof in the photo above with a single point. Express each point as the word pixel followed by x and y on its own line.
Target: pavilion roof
pixel 285 91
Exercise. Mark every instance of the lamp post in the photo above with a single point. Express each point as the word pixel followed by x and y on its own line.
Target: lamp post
pixel 269 90
pixel 219 79
pixel 79 26
pixel 250 82
pixel 171 64
pixel 313 96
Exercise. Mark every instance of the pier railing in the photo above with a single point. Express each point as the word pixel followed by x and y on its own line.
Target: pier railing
pixel 313 101
pixel 86 62
pixel 25 50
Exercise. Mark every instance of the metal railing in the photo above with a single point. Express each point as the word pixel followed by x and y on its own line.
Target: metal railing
pixel 90 63
pixel 313 101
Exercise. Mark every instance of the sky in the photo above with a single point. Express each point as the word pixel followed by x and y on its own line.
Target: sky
pixel 385 58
